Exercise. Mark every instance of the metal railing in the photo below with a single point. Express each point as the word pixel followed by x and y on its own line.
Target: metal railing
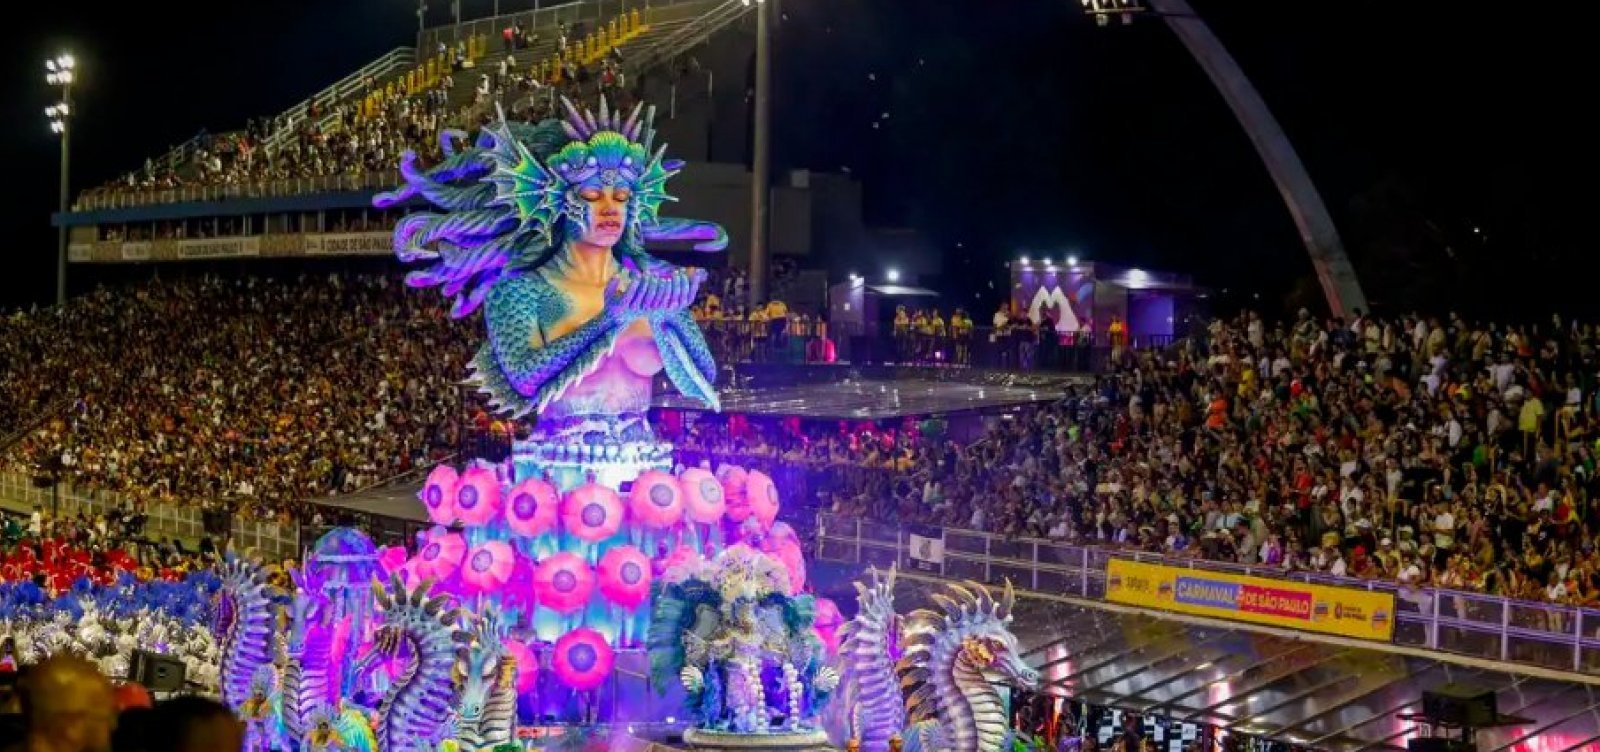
pixel 545 18
pixel 667 46
pixel 394 61
pixel 116 198
pixel 734 341
pixel 1529 633
pixel 18 492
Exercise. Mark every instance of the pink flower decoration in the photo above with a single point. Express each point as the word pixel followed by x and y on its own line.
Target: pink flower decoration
pixel 582 659
pixel 625 577
pixel 488 567
pixel 827 623
pixel 532 507
pixel 656 500
pixel 680 564
pixel 392 558
pixel 781 531
pixel 440 558
pixel 703 498
pixel 527 664
pixel 794 562
pixel 734 479
pixel 761 497
pixel 592 512
pixel 563 583
pixel 477 496
pixel 439 494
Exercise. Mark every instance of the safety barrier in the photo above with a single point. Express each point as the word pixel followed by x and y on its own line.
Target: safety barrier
pixel 19 494
pixel 1513 631
pixel 117 198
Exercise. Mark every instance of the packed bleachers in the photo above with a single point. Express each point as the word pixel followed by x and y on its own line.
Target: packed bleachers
pixel 354 143
pixel 1421 450
pixel 251 393
pixel 1425 451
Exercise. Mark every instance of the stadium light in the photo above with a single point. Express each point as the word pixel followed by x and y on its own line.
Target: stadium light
pixel 893 275
pixel 1024 260
pixel 1072 261
pixel 60 72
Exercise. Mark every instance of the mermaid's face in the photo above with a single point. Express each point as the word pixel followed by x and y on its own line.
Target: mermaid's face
pixel 606 215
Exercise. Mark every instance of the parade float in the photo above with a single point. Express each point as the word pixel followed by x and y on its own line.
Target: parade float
pixel 533 596
pixel 585 585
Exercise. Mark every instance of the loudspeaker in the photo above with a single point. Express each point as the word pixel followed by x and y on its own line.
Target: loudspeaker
pixel 156 672
pixel 1460 705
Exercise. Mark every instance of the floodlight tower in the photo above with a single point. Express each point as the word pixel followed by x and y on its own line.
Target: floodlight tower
pixel 59 72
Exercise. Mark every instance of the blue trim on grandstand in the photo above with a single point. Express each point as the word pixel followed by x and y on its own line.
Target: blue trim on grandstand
pixel 224 208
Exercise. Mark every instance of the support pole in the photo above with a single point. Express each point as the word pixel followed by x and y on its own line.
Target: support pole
pixel 761 158
pixel 61 216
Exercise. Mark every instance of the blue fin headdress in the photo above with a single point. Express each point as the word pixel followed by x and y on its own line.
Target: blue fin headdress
pixel 505 197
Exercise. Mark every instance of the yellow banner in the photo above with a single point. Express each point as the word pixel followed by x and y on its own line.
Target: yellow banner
pixel 1314 608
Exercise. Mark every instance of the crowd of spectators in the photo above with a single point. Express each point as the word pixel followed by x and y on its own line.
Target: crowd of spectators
pixel 56 552
pixel 1422 450
pixel 247 393
pixel 66 703
pixel 370 130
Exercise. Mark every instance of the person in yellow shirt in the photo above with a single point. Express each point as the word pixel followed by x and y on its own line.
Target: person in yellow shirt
pixel 923 332
pixel 961 334
pixel 902 333
pixel 778 324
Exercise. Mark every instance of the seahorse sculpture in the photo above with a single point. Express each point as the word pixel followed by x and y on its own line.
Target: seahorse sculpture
pixel 955 658
pixel 486 714
pixel 243 625
pixel 869 696
pixel 308 670
pixel 423 633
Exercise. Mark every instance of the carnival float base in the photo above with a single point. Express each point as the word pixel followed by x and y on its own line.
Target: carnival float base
pixel 791 741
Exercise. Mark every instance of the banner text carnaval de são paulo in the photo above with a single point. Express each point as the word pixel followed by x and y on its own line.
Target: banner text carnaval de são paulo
pixel 1314 608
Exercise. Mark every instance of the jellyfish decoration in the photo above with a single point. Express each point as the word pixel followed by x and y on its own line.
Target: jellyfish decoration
pixel 761 498
pixel 625 577
pixel 704 505
pixel 591 513
pixel 527 664
pixel 656 500
pixel 582 659
pixel 488 567
pixel 440 558
pixel 439 494
pixel 735 482
pixel 477 496
pixel 827 622
pixel 532 508
pixel 563 583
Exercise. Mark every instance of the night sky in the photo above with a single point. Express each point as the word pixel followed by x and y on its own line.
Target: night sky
pixel 1450 140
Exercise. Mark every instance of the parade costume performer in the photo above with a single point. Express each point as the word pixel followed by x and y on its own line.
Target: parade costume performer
pixel 545 228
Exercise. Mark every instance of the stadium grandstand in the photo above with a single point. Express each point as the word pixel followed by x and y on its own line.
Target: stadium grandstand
pixel 273 376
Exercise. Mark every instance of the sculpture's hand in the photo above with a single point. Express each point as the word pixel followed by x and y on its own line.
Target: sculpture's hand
pixel 632 295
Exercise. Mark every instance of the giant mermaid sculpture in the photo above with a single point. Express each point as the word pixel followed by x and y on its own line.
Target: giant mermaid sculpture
pixel 545 228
